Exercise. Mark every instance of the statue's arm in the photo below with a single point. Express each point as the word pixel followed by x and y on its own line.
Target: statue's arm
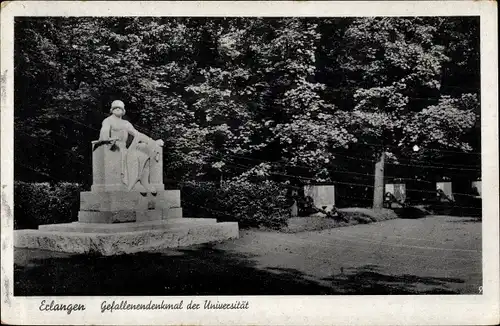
pixel 105 130
pixel 134 132
pixel 142 137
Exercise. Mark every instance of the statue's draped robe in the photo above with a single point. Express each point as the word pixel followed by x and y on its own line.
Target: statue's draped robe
pixel 138 161
pixel 137 157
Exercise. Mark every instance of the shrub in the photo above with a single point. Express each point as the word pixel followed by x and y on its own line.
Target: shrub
pixel 255 204
pixel 199 199
pixel 42 203
pixel 252 204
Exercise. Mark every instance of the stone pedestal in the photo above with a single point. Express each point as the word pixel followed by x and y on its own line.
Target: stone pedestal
pixel 113 220
pixel 398 190
pixel 445 186
pixel 323 196
pixel 477 186
pixel 128 206
pixel 294 210
pixel 109 200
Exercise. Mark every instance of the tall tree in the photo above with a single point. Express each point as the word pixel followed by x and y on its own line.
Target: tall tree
pixel 398 64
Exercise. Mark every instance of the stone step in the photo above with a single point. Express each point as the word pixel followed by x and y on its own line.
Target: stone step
pixel 116 243
pixel 128 200
pixel 124 227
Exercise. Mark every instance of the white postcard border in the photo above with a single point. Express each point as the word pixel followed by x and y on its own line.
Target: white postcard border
pixel 264 310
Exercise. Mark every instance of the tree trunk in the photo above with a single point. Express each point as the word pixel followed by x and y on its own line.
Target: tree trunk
pixel 221 180
pixel 378 190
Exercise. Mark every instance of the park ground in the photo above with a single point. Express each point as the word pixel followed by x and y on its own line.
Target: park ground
pixel 429 255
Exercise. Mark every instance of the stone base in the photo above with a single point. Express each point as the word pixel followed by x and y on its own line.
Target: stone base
pixel 121 187
pixel 125 238
pixel 128 200
pixel 129 216
pixel 128 206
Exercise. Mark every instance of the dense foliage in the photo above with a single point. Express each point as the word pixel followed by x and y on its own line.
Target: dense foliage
pixel 41 203
pixel 289 100
pixel 251 204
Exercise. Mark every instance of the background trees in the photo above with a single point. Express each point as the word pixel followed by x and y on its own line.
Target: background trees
pixel 400 99
pixel 291 100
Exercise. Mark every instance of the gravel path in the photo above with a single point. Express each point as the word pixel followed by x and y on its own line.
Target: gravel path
pixel 432 253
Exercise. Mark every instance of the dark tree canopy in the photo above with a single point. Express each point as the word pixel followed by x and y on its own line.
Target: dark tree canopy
pixel 299 100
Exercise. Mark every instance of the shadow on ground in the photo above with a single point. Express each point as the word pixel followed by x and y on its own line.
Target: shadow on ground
pixel 369 280
pixel 195 271
pixel 467 221
pixel 411 212
pixel 420 211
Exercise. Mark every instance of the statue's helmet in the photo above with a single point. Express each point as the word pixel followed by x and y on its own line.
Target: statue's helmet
pixel 117 105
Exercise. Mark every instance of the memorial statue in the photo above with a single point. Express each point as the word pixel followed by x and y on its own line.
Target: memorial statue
pixel 136 159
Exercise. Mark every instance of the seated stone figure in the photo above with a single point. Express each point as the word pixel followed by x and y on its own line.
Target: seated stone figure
pixel 136 159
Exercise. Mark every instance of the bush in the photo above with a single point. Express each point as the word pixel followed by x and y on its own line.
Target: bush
pixel 256 204
pixel 42 203
pixel 251 204
pixel 199 199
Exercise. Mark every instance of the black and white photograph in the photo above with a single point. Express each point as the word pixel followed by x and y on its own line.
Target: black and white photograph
pixel 234 156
